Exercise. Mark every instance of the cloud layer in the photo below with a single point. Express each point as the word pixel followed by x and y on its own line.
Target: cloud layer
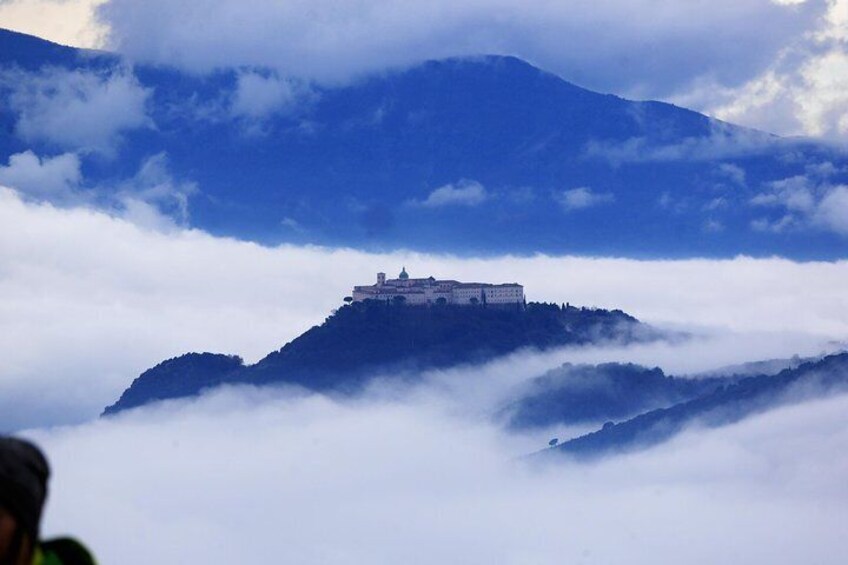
pixel 241 477
pixel 605 44
pixel 772 64
pixel 90 300
pixel 52 178
pixel 782 74
pixel 76 110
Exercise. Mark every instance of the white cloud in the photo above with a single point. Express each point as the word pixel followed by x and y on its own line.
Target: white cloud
pixel 808 100
pixel 197 483
pixel 583 197
pixel 56 178
pixel 796 194
pixel 153 198
pixel 712 226
pixel 91 300
pixel 718 203
pixel 803 92
pixel 823 99
pixel 68 22
pixel 824 169
pixel 733 172
pixel 723 142
pixel 670 42
pixel 76 110
pixel 832 211
pixel 780 225
pixel 293 225
pixel 259 95
pixel 463 193
pixel 804 202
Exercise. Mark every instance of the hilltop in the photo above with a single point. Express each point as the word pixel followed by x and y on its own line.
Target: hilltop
pixel 364 339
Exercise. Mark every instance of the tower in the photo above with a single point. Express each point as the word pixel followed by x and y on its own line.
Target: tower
pixel 403 275
pixel 381 279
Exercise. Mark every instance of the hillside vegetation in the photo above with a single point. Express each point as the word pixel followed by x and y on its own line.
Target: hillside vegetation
pixel 725 405
pixel 362 339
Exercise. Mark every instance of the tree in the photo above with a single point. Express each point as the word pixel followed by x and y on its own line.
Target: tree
pixel 553 442
pixel 348 299
pixel 441 301
pixel 474 301
pixel 399 300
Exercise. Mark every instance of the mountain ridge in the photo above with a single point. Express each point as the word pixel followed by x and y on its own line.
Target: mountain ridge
pixel 508 147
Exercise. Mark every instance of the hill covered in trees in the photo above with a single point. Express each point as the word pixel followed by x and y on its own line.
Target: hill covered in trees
pixel 575 394
pixel 360 340
pixel 724 405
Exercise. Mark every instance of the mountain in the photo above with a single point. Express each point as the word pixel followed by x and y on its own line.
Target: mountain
pixel 575 394
pixel 755 368
pixel 365 339
pixel 725 405
pixel 483 155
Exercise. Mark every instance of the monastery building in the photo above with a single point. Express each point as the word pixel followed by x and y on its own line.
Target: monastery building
pixel 433 291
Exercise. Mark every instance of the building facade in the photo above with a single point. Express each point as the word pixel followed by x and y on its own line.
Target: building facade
pixel 428 291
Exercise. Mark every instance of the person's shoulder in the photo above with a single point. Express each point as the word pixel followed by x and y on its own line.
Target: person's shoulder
pixel 65 551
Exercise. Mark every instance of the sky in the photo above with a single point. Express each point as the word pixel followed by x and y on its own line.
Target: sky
pixel 777 65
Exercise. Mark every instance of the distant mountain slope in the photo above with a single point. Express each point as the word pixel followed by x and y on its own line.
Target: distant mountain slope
pixel 361 340
pixel 475 155
pixel 756 368
pixel 725 405
pixel 574 394
pixel 29 52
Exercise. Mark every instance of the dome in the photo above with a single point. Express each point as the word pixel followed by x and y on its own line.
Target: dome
pixel 403 275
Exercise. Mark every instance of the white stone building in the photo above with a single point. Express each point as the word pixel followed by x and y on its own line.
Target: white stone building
pixel 432 291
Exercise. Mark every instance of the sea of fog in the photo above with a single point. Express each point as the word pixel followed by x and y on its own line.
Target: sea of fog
pixel 402 474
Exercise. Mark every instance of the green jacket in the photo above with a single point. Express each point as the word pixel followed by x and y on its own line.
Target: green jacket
pixel 62 551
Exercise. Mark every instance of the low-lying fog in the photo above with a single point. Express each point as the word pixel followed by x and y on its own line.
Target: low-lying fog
pixel 88 302
pixel 418 474
pixel 244 476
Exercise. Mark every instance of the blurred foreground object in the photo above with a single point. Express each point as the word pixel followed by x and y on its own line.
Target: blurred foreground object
pixel 24 472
